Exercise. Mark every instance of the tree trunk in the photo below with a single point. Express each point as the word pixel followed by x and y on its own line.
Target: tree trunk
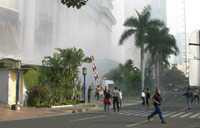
pixel 161 72
pixel 157 71
pixel 142 67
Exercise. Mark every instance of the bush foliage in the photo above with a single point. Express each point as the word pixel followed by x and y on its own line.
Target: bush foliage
pixel 56 82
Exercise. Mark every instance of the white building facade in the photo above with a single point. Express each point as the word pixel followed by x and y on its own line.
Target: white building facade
pixel 32 29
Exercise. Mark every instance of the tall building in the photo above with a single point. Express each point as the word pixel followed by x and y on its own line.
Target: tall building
pixel 179 31
pixel 159 10
pixel 32 29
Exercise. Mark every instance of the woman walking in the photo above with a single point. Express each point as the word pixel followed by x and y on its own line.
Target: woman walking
pixel 107 100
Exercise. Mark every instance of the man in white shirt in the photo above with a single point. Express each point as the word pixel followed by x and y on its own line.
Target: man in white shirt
pixel 115 98
pixel 143 97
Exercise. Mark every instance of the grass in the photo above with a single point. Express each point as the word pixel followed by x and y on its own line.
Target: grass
pixel 91 106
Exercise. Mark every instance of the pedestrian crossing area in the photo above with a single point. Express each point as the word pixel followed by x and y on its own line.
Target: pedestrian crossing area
pixel 169 114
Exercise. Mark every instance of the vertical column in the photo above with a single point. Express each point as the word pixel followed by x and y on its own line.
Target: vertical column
pixel 29 10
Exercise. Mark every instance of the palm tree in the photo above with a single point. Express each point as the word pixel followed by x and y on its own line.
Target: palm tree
pixel 161 45
pixel 139 26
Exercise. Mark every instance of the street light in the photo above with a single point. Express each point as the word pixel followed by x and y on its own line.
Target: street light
pixel 18 66
pixel 84 71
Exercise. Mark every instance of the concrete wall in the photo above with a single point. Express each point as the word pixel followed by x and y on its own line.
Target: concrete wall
pixel 4 85
pixel 12 87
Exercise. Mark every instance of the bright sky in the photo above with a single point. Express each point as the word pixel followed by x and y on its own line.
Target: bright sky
pixel 192 15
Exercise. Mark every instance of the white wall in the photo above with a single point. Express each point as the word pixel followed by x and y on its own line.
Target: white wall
pixel 4 85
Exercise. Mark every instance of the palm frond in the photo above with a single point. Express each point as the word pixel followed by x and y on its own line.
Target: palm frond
pixel 146 9
pixel 131 22
pixel 156 22
pixel 126 35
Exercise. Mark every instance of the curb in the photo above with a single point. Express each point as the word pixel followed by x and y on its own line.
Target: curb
pixel 64 111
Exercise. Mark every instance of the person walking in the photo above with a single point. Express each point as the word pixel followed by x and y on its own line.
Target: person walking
pixel 89 93
pixel 189 97
pixel 101 94
pixel 107 100
pixel 196 95
pixel 143 97
pixel 115 98
pixel 120 98
pixel 148 95
pixel 97 92
pixel 157 103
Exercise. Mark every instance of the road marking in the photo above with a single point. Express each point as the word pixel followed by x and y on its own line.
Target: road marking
pixel 186 115
pixel 195 115
pixel 138 123
pixel 183 109
pixel 178 114
pixel 152 112
pixel 165 112
pixel 88 118
pixel 142 113
pixel 134 113
pixel 121 113
pixel 147 113
pixel 168 114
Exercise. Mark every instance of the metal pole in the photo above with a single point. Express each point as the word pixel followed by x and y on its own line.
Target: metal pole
pixel 84 87
pixel 17 86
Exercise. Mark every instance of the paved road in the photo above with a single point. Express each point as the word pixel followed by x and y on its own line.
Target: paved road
pixel 174 111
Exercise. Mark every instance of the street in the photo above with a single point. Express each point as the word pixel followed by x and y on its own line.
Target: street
pixel 174 110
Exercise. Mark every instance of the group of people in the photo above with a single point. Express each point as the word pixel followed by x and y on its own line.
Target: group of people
pixel 191 96
pixel 115 96
pixel 146 95
pixel 156 102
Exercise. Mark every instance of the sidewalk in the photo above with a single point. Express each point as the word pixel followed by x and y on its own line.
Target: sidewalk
pixel 29 112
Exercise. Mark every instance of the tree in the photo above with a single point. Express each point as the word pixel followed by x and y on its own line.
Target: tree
pixel 161 45
pixel 174 78
pixel 129 75
pixel 139 26
pixel 74 3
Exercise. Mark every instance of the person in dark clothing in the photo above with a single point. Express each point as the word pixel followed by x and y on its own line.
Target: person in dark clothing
pixel 89 94
pixel 196 95
pixel 107 100
pixel 105 90
pixel 189 97
pixel 115 98
pixel 157 102
pixel 148 95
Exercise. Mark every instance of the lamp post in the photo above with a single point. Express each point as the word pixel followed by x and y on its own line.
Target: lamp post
pixel 84 70
pixel 18 66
